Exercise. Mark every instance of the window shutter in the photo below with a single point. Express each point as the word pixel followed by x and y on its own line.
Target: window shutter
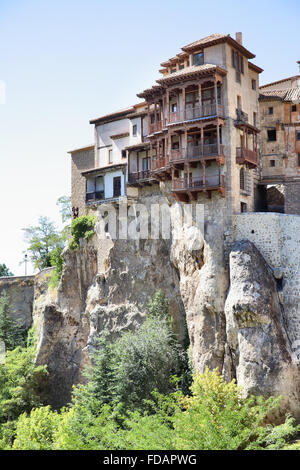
pixel 232 58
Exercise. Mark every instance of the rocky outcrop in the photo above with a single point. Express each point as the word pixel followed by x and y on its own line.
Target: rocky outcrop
pixel 20 292
pixel 261 355
pixel 224 301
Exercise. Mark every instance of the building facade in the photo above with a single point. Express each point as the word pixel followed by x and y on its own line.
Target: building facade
pixel 279 105
pixel 196 130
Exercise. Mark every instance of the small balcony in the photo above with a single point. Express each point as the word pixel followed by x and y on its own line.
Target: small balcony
pixel 196 184
pixel 139 177
pixel 197 152
pixel 95 196
pixel 246 156
pixel 159 163
pixel 197 112
pixel 155 127
pixel 241 117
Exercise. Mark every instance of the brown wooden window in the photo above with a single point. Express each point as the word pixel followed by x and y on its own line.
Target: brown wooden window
pixel 243 207
pixel 253 83
pixel 298 159
pixel 237 61
pixel 117 186
pixel 294 108
pixel 242 179
pixel 134 130
pixel 297 135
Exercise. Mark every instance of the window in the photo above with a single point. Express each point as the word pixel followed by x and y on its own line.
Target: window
pixel 123 153
pixel 117 186
pixel 297 135
pixel 271 135
pixel 294 108
pixel 272 163
pixel 198 59
pixel 110 156
pixel 174 108
pixel 173 70
pixel 239 102
pixel 253 83
pixel 243 207
pixel 298 159
pixel 134 130
pixel 271 110
pixel 242 179
pixel 238 64
pixel 181 66
pixel 255 119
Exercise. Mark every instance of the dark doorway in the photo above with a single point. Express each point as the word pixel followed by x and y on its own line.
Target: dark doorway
pixel 117 186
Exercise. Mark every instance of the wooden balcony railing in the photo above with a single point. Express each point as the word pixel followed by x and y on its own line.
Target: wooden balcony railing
pixel 155 127
pixel 203 111
pixel 138 176
pixel 244 155
pixel 158 163
pixel 95 196
pixel 196 152
pixel 189 184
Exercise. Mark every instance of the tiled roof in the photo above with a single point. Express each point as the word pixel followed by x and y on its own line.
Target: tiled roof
pixel 126 112
pixel 81 149
pixel 194 69
pixel 288 94
pixel 280 81
pixel 111 167
pixel 215 39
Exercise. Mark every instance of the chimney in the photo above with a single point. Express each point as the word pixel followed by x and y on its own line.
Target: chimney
pixel 298 62
pixel 239 38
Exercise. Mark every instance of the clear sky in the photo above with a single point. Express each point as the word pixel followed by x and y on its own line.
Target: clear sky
pixel 67 61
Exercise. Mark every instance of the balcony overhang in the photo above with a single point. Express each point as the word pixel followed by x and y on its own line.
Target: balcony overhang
pixel 104 169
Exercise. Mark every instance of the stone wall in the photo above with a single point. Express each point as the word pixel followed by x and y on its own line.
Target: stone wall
pixel 20 291
pixel 292 197
pixel 277 237
pixel 82 159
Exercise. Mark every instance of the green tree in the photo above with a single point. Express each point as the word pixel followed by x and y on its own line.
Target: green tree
pixel 11 333
pixel 21 382
pixel 127 371
pixel 64 203
pixel 42 239
pixel 4 271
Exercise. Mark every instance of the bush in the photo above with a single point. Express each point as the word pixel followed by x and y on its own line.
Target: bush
pixel 126 372
pixel 11 333
pixel 20 382
pixel 82 227
pixel 57 261
pixel 36 430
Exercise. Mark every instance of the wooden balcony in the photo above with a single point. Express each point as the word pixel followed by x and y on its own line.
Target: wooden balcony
pixel 204 111
pixel 246 156
pixel 155 127
pixel 159 163
pixel 139 178
pixel 95 196
pixel 196 184
pixel 197 152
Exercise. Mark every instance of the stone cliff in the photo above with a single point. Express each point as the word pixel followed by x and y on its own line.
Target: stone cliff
pixel 224 299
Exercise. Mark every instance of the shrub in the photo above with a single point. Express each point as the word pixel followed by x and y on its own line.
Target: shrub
pixel 36 430
pixel 126 372
pixel 11 333
pixel 20 382
pixel 57 261
pixel 217 417
pixel 82 227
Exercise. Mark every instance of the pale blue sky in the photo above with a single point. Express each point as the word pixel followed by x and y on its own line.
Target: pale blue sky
pixel 66 61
